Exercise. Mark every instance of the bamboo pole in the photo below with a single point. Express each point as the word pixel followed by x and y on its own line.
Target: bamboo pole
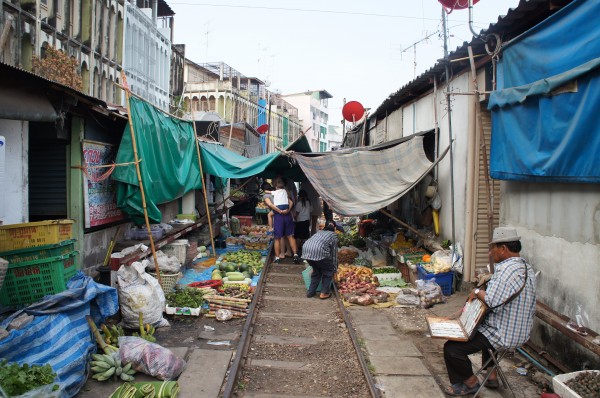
pixel 212 237
pixel 399 221
pixel 139 176
pixel 483 150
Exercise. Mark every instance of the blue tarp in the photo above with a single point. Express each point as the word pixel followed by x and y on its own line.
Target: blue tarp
pixel 59 334
pixel 545 119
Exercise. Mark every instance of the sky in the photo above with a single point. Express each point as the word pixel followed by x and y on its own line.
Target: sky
pixel 358 50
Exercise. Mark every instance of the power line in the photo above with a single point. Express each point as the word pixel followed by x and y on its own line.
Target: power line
pixel 304 10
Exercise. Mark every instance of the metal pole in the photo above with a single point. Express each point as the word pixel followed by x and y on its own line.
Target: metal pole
pixel 269 119
pixel 450 139
pixel 139 176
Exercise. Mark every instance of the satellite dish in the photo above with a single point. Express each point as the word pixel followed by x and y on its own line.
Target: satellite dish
pixel 456 4
pixel 263 128
pixel 353 111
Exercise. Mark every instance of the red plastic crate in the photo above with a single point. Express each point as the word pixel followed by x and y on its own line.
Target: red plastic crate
pixel 245 221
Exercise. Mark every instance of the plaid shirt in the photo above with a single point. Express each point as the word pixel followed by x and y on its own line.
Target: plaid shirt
pixel 509 326
pixel 320 246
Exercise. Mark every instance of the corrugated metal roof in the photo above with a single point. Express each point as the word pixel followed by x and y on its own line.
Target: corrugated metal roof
pixel 516 21
pixel 27 80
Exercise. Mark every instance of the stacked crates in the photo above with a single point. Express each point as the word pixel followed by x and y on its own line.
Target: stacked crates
pixel 41 260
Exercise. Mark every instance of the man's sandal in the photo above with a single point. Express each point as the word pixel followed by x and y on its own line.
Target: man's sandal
pixel 461 389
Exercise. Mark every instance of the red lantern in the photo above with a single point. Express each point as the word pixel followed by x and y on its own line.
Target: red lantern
pixel 353 111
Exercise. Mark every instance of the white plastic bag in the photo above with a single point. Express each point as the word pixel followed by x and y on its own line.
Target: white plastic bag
pixel 150 358
pixel 140 292
pixel 166 263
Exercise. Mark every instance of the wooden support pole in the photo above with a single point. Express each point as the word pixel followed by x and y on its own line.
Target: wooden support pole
pixel 212 237
pixel 420 235
pixel 139 176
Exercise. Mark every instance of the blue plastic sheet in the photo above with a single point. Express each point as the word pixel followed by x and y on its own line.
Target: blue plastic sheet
pixel 59 334
pixel 545 119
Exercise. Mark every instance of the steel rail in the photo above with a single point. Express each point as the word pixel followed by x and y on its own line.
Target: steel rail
pixel 361 358
pixel 246 336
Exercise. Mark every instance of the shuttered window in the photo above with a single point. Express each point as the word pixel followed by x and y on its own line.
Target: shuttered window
pixel 482 237
pixel 47 173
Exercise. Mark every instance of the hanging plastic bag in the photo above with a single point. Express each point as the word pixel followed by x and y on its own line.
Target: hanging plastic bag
pixel 150 358
pixel 140 292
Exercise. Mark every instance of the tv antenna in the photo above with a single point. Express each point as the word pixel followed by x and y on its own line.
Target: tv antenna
pixel 414 48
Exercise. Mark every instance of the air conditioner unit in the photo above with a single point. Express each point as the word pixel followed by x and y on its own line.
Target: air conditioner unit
pixel 2 177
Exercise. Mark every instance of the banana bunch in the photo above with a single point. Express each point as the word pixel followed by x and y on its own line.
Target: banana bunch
pixel 111 335
pixel 106 365
pixel 146 330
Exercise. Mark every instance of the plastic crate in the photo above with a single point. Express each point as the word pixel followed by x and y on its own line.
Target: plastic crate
pixel 559 384
pixel 41 252
pixel 245 221
pixel 34 234
pixel 444 279
pixel 32 280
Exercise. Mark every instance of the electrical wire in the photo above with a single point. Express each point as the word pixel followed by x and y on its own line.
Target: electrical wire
pixel 313 10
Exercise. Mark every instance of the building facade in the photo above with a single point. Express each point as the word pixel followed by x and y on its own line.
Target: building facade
pixel 219 88
pixel 313 111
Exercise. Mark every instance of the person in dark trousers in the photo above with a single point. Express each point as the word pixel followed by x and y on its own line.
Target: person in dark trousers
pixel 327 212
pixel 511 294
pixel 320 250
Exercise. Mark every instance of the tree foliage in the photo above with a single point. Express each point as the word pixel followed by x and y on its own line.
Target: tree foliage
pixel 58 67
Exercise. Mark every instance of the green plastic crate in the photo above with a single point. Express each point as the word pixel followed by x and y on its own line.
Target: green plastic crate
pixel 32 280
pixel 37 253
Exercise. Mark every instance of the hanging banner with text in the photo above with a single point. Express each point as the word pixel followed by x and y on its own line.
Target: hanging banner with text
pixel 99 193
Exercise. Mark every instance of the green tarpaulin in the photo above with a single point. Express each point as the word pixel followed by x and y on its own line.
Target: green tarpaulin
pixel 169 162
pixel 220 161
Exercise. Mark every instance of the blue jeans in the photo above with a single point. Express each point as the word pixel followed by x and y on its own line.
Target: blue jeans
pixel 323 271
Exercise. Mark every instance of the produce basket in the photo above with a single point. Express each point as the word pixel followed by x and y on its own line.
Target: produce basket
pixel 34 234
pixel 168 280
pixel 559 383
pixel 29 281
pixel 444 279
pixel 41 252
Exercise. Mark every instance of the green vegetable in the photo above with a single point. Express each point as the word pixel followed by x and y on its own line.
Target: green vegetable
pixel 394 283
pixel 236 278
pixel 17 380
pixel 186 297
pixel 385 270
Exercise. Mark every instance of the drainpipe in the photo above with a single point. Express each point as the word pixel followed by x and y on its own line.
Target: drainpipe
pixel 472 163
pixel 471 19
pixel 450 143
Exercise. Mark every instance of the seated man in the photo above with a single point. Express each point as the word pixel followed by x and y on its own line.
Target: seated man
pixel 511 290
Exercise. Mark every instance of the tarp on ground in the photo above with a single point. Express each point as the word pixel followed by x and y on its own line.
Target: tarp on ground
pixel 362 180
pixel 59 334
pixel 169 161
pixel 545 119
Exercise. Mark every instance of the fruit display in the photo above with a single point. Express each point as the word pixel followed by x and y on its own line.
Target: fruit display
pixel 111 334
pixel 146 330
pixel 256 243
pixel 262 205
pixel 256 231
pixel 240 259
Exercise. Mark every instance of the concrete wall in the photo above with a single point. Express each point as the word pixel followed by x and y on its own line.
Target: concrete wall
pixel 16 186
pixel 559 226
pixel 419 116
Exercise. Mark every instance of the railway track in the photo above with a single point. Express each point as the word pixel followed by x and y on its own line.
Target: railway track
pixel 295 346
